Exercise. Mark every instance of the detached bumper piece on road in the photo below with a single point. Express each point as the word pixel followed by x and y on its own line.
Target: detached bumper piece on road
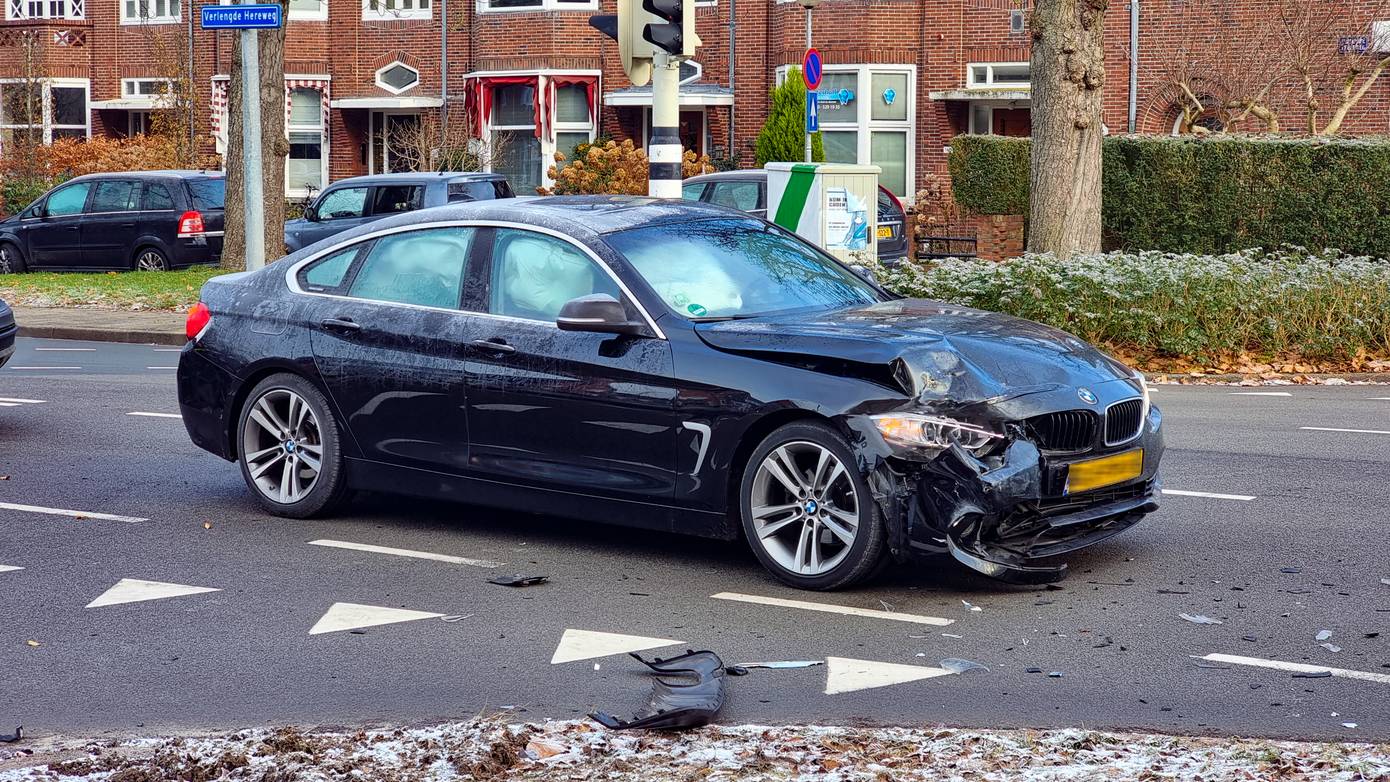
pixel 688 692
pixel 8 330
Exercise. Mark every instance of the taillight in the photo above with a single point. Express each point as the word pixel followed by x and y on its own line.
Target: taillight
pixel 191 223
pixel 199 317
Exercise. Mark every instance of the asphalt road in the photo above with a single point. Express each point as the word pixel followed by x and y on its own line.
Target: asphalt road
pixel 1314 501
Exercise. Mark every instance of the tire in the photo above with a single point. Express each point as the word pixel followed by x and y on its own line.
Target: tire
pixel 150 259
pixel 11 259
pixel 263 456
pixel 782 540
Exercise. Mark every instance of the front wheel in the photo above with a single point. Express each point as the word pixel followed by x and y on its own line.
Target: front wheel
pixel 807 511
pixel 11 261
pixel 289 448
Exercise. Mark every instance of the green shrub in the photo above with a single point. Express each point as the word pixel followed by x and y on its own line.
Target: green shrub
pixel 18 192
pixel 1208 195
pixel 783 137
pixel 1324 307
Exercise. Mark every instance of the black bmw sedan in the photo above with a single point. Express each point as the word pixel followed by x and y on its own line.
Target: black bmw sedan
pixel 673 366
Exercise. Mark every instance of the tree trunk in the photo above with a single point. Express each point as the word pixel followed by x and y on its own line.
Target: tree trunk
pixel 274 149
pixel 1068 73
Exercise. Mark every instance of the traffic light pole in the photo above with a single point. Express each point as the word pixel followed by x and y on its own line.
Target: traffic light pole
pixel 664 146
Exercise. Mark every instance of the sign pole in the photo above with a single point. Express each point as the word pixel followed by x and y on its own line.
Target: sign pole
pixel 664 155
pixel 809 95
pixel 252 178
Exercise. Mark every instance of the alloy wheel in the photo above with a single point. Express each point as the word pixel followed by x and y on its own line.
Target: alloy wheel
pixel 282 446
pixel 150 261
pixel 7 260
pixel 805 508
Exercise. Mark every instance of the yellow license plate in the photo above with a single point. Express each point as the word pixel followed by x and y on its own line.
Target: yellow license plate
pixel 1105 471
pixel 885 232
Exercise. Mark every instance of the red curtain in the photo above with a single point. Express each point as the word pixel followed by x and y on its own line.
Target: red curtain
pixel 590 91
pixel 486 85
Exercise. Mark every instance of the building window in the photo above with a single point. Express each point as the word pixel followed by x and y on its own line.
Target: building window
pixel 145 88
pixel 516 150
pixel 573 124
pixel 395 9
pixel 998 75
pixel 44 9
pixel 305 168
pixel 42 111
pixel 397 78
pixel 538 5
pixel 309 10
pixel 138 123
pixel 867 117
pixel 149 11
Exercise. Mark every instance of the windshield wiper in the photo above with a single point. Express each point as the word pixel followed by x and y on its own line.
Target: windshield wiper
pixel 721 318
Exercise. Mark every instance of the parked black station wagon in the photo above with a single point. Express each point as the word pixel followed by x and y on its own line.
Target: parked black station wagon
pixel 141 220
pixel 668 365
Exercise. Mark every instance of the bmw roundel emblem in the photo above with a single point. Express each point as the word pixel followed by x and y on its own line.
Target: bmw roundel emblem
pixel 1086 395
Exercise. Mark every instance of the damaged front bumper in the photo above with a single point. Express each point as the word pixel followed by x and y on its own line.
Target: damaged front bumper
pixel 1006 516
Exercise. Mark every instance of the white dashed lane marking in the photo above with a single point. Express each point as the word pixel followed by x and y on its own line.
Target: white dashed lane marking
pixel 9 568
pixel 354 616
pixel 1334 429
pixel 578 645
pixel 135 590
pixel 402 552
pixel 1260 393
pixel 76 514
pixel 161 367
pixel 833 609
pixel 1208 495
pixel 9 402
pixel 156 415
pixel 45 368
pixel 1279 665
pixel 67 350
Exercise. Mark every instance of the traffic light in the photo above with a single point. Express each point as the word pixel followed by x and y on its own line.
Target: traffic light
pixel 675 33
pixel 626 28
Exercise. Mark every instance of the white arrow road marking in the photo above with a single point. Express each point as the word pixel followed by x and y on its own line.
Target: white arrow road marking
pixel 134 590
pixel 1259 393
pixel 403 552
pixel 1333 429
pixel 1279 665
pixel 76 514
pixel 588 644
pixel 9 568
pixel 352 616
pixel 1209 495
pixel 9 404
pixel 21 401
pixel 843 674
pixel 833 609
pixel 157 415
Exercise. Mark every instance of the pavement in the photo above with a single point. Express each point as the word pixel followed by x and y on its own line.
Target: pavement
pixel 153 595
pixel 164 328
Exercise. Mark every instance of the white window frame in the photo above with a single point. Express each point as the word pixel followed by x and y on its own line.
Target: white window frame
pixel 20 10
pixel 548 145
pixel 166 86
pixel 376 77
pixel 382 13
pixel 548 157
pixel 322 130
pixel 990 83
pixel 46 96
pixel 866 124
pixel 320 15
pixel 485 6
pixel 165 19
pixel 137 121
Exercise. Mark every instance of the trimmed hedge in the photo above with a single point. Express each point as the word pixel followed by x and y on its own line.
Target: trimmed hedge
pixel 1208 195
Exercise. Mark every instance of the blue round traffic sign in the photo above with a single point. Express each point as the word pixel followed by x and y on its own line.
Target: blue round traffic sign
pixel 811 69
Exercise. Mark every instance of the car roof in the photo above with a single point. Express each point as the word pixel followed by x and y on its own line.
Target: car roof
pixel 414 176
pixel 742 175
pixel 163 174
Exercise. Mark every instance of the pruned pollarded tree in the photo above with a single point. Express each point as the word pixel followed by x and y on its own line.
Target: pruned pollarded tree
pixel 1338 52
pixel 1068 75
pixel 1219 71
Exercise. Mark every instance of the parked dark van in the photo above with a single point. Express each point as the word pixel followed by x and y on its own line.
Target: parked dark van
pixel 140 220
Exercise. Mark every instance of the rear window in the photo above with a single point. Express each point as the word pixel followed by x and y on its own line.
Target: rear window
pixel 887 210
pixel 208 193
pixel 485 190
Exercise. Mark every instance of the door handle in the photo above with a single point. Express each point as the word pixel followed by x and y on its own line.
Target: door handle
pixel 127 225
pixel 494 345
pixel 342 325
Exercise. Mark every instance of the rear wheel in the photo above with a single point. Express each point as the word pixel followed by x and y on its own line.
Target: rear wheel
pixel 289 448
pixel 11 260
pixel 807 510
pixel 150 259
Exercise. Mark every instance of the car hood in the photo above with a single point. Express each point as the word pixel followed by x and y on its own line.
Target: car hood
pixel 296 224
pixel 928 349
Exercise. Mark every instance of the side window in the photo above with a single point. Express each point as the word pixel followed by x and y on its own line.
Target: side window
pixel 68 200
pixel 342 203
pixel 739 195
pixel 327 274
pixel 157 197
pixel 692 191
pixel 534 274
pixel 424 268
pixel 115 195
pixel 393 199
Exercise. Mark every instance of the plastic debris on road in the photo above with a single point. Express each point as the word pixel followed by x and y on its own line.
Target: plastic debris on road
pixel 957 665
pixel 1198 619
pixel 1313 675
pixel 971 606
pixel 1323 635
pixel 518 580
pixel 783 664
pixel 687 692
pixel 1331 647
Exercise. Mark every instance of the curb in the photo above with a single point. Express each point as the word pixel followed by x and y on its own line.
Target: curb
pixel 1230 378
pixel 137 336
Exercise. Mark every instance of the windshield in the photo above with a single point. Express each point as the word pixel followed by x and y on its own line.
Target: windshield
pixel 208 193
pixel 737 269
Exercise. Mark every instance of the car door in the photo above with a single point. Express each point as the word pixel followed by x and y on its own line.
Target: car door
pixel 112 220
pixel 338 209
pixel 389 342
pixel 745 195
pixel 395 199
pixel 55 239
pixel 579 412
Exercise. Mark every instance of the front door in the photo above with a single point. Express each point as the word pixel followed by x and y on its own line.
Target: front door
pixel 571 411
pixel 692 131
pixel 397 143
pixel 55 239
pixel 389 342
pixel 111 225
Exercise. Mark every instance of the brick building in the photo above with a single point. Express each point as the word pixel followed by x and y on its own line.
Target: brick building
pixel 902 76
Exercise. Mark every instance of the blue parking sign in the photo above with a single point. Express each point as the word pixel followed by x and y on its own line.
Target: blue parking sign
pixel 812 112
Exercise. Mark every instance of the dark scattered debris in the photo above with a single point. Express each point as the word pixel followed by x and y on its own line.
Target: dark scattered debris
pixel 518 580
pixel 1250 638
pixel 778 664
pixel 1215 666
pixel 1173 592
pixel 687 692
pixel 1293 570
pixel 1313 675
pixel 1033 670
pixel 1055 675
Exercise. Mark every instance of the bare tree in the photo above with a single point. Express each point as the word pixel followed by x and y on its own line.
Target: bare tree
pixel 433 145
pixel 1324 42
pixel 24 105
pixel 167 47
pixel 1068 74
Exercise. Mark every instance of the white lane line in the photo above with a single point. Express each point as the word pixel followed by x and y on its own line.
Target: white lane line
pixel 9 568
pixel 157 415
pixel 402 552
pixel 9 404
pixel 1209 495
pixel 45 368
pixel 167 350
pixel 1279 665
pixel 76 514
pixel 834 609
pixel 1381 398
pixel 161 367
pixel 1334 429
pixel 1259 393
pixel 67 350
pixel 21 401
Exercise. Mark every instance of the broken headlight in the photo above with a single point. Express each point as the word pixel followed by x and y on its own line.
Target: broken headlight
pixel 932 432
pixel 1137 379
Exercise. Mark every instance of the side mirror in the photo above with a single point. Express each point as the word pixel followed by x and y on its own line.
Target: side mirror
pixel 311 214
pixel 600 313
pixel 864 273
